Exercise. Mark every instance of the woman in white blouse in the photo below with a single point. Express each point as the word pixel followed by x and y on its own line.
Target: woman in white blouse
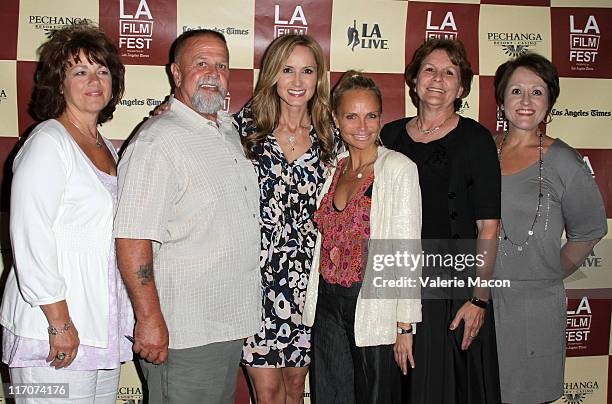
pixel 65 310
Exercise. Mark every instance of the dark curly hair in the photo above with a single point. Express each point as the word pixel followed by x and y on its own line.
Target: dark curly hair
pixel 58 53
pixel 456 53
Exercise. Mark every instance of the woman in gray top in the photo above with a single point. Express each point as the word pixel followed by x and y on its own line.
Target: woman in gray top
pixel 546 189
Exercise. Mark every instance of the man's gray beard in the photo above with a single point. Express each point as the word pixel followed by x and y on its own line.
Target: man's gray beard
pixel 208 105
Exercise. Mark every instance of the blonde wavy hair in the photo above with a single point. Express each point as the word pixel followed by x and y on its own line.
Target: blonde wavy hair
pixel 265 104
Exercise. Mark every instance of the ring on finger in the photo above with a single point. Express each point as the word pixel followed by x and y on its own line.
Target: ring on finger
pixel 61 356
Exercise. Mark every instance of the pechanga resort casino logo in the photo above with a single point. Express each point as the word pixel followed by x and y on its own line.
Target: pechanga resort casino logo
pixel 130 395
pixel 287 21
pixel 446 29
pixel 51 23
pixel 578 392
pixel 366 36
pixel 135 28
pixel 515 44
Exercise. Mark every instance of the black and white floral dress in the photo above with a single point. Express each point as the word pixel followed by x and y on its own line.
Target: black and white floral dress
pixel 288 197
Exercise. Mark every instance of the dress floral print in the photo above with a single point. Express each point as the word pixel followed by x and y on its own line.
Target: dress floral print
pixel 288 196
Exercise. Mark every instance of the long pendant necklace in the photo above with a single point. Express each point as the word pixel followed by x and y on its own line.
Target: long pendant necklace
pixel 432 130
pixel 97 138
pixel 504 235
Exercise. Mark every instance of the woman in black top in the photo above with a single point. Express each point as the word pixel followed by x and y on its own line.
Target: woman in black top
pixel 454 347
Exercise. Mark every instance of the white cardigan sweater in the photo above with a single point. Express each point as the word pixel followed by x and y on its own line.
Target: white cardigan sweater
pixel 61 232
pixel 395 214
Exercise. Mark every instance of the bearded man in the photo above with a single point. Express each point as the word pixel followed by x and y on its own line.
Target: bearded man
pixel 187 233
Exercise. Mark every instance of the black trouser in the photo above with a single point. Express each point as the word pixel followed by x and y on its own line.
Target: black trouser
pixel 340 371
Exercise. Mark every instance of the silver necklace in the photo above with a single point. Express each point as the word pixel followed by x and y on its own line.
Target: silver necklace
pixel 292 138
pixel 292 141
pixel 359 169
pixel 432 130
pixel 519 245
pixel 97 138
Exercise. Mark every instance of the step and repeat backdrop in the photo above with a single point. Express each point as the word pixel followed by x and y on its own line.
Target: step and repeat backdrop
pixel 575 34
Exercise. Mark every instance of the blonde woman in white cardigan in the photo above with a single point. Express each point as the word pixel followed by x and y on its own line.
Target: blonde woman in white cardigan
pixel 361 345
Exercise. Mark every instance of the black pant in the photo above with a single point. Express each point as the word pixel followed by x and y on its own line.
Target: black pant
pixel 340 371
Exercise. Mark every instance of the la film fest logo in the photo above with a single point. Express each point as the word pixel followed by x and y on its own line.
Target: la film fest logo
pixel 3 96
pixel 51 23
pixel 501 125
pixel 447 28
pixel 515 44
pixel 584 42
pixel 290 21
pixel 577 392
pixel 578 324
pixel 365 36
pixel 135 30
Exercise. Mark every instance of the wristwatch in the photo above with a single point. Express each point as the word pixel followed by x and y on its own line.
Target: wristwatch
pixel 402 331
pixel 479 302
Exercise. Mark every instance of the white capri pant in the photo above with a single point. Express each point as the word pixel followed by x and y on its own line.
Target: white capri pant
pixel 85 386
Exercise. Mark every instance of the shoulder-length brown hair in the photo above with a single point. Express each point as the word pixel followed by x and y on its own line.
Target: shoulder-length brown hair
pixel 539 65
pixel 456 53
pixel 266 102
pixel 63 49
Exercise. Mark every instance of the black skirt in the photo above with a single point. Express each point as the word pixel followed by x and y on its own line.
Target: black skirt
pixel 445 374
